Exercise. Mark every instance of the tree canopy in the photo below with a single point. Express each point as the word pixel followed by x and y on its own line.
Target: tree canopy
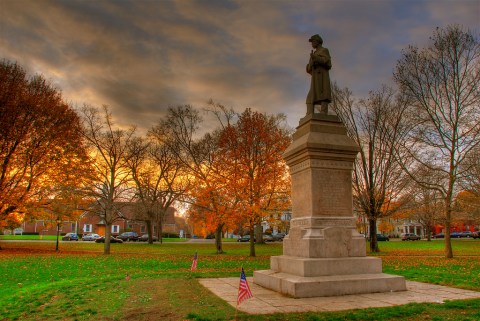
pixel 41 147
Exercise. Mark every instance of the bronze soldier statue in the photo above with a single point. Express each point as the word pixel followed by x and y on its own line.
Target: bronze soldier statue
pixel 319 65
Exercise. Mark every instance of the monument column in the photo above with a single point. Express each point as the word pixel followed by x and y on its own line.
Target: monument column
pixel 323 254
pixel 321 161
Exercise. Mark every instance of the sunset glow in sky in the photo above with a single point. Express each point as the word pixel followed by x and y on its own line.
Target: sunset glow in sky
pixel 139 57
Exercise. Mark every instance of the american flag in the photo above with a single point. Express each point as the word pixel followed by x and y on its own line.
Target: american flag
pixel 194 263
pixel 244 291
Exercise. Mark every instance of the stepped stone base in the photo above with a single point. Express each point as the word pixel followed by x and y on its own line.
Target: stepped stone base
pixel 311 277
pixel 332 285
pixel 311 267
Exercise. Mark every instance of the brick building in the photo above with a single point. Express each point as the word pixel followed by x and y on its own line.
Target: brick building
pixel 90 222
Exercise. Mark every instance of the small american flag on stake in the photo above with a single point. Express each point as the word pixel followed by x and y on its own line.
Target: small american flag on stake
pixel 194 263
pixel 244 291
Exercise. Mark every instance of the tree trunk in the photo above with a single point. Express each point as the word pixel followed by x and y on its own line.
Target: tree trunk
pixel 218 238
pixel 160 230
pixel 108 233
pixel 149 231
pixel 429 233
pixel 259 234
pixel 252 241
pixel 373 236
pixel 448 219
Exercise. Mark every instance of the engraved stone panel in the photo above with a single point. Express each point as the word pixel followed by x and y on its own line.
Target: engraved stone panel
pixel 332 193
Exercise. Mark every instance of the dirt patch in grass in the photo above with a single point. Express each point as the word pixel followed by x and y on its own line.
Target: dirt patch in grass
pixel 171 300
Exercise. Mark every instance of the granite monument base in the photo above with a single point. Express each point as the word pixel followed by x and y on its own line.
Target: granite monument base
pixel 306 277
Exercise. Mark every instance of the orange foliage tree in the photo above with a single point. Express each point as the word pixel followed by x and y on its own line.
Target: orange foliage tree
pixel 253 167
pixel 40 142
pixel 207 194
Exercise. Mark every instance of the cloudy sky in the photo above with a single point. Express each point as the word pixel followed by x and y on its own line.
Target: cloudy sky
pixel 142 56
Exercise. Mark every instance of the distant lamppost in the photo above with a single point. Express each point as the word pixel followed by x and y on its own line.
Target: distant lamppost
pixel 58 220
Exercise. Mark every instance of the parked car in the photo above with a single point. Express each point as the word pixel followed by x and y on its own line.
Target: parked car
pixel 455 235
pixel 383 237
pixel 112 240
pixel 90 237
pixel 128 236
pixel 144 238
pixel 70 237
pixel 439 236
pixel 466 234
pixel 410 237
pixel 279 236
pixel 476 235
pixel 268 238
pixel 245 238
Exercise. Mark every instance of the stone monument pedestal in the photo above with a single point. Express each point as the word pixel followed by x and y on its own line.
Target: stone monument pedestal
pixel 323 254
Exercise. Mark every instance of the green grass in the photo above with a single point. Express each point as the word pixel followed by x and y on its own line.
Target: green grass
pixel 79 283
pixel 28 237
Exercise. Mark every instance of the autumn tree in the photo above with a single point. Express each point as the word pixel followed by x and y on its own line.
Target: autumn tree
pixel 426 207
pixel 108 149
pixel 197 154
pixel 40 143
pixel 160 179
pixel 376 125
pixel 251 150
pixel 442 84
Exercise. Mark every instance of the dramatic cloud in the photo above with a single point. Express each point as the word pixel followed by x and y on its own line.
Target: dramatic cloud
pixel 140 57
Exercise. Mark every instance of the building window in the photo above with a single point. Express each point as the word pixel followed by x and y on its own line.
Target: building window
pixel 143 229
pixel 115 228
pixel 72 226
pixel 87 227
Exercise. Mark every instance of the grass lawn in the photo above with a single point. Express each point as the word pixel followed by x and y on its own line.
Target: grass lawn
pixel 80 283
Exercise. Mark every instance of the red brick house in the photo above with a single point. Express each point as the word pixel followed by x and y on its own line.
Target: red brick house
pixel 92 223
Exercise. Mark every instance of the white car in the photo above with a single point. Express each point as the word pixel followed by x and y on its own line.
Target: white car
pixel 90 237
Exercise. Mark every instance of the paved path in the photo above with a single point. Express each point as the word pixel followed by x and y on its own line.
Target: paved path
pixel 267 302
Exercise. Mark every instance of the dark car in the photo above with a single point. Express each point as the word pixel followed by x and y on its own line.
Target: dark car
pixel 466 234
pixel 70 237
pixel 268 238
pixel 144 238
pixel 439 236
pixel 455 235
pixel 128 236
pixel 410 237
pixel 112 240
pixel 245 238
pixel 476 235
pixel 382 237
